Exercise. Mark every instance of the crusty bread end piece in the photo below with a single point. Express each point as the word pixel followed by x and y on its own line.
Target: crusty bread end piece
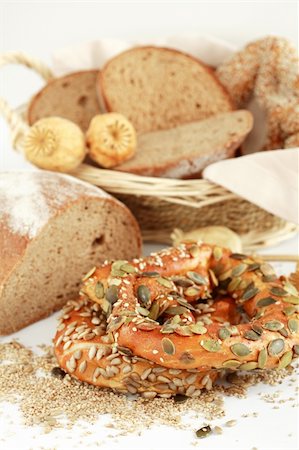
pixel 184 151
pixel 159 88
pixel 72 97
pixel 53 230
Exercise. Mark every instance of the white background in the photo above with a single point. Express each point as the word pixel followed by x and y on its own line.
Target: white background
pixel 39 28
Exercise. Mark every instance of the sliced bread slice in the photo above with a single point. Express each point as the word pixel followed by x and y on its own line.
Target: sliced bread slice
pixel 184 151
pixel 72 97
pixel 159 88
pixel 54 229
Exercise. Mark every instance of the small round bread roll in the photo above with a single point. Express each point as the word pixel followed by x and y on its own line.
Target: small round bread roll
pixel 111 139
pixel 54 143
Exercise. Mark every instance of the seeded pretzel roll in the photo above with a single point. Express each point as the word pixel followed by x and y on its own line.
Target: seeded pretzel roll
pixel 87 352
pixel 194 307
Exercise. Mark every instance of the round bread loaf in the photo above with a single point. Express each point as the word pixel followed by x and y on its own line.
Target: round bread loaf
pixel 53 229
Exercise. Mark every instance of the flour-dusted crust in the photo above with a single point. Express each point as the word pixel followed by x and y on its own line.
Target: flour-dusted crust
pixel 159 88
pixel 53 227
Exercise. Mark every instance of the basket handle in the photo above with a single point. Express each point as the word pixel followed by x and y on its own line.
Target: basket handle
pixel 17 124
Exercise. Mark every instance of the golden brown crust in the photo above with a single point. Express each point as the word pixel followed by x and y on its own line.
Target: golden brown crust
pixel 200 333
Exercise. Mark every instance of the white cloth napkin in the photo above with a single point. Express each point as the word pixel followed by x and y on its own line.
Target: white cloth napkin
pixel 267 179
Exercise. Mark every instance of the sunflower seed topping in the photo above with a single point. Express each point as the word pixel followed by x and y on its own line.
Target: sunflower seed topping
pixel 292 300
pixel 194 251
pixel 250 292
pixel 183 282
pixel 289 310
pixel 89 274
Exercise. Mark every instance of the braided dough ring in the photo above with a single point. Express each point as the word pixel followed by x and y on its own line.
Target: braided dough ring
pixel 252 321
pixel 267 70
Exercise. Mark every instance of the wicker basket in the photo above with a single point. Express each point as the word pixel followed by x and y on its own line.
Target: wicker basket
pixel 160 204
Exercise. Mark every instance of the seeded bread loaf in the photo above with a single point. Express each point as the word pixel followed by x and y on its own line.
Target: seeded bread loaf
pixel 184 151
pixel 54 229
pixel 159 88
pixel 72 97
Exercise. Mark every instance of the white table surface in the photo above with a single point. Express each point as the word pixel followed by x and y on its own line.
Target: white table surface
pixel 39 29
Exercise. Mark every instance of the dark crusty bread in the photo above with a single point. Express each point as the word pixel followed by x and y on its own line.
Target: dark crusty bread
pixel 72 97
pixel 54 229
pixel 184 151
pixel 159 88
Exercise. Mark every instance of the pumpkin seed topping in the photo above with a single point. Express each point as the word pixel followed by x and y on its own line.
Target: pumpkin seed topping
pixel 224 333
pixel 285 360
pixel 116 270
pixel 194 250
pixel 266 301
pixel 192 291
pixel 251 365
pixel 143 311
pixel 128 268
pixel 150 274
pixel 273 325
pixel 240 349
pixel 217 253
pixel 210 345
pixel 262 359
pixel 112 294
pixel 168 346
pixel 278 291
pixel 252 335
pixel 250 292
pixel 154 311
pixel 290 288
pixel 234 283
pixel 291 299
pixel 252 267
pixel 238 256
pixel 197 278
pixel 238 270
pixel 99 290
pixel 143 294
pixel 183 330
pixel 231 364
pixel 164 282
pixel 275 347
pixel 197 328
pixel 293 325
pixel 284 332
pixel 174 310
pixel 267 270
pixel 183 282
pixel 203 432
pixel 289 310
pixel 257 328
